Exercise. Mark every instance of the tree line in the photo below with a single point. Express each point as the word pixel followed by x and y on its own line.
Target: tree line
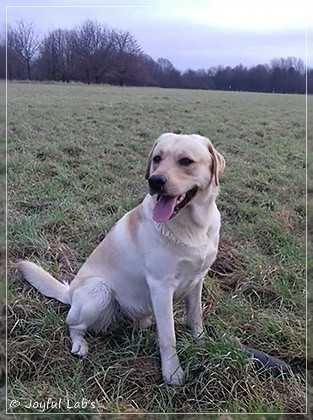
pixel 96 53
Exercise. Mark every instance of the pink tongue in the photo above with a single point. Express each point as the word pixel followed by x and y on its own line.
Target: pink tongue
pixel 164 209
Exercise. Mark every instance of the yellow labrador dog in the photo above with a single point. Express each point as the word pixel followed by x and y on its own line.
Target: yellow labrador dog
pixel 156 254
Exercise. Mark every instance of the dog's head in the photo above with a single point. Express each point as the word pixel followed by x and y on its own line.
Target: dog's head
pixel 179 166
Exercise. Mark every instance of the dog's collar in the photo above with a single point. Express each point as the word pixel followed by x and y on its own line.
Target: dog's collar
pixel 170 237
pixel 167 234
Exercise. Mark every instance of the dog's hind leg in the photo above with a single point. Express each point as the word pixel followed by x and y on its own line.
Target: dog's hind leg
pixel 91 308
pixel 194 309
pixel 80 345
pixel 145 322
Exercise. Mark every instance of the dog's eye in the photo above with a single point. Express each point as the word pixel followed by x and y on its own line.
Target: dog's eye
pixel 157 159
pixel 185 161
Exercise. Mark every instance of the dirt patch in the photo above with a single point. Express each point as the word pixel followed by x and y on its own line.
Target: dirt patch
pixel 228 266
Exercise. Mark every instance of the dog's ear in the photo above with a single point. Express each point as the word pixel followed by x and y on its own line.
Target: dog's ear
pixel 218 163
pixel 147 175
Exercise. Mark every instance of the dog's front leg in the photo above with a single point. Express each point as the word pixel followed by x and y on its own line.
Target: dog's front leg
pixel 162 302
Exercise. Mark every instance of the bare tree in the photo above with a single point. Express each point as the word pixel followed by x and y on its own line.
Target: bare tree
pixel 94 49
pixel 169 75
pixel 56 56
pixel 51 56
pixel 23 43
pixel 127 58
pixel 14 68
pixel 287 63
pixel 258 79
pixel 287 75
pixel 199 79
pixel 151 71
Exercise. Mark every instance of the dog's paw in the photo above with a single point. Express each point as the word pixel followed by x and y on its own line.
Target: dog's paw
pixel 174 379
pixel 198 333
pixel 80 348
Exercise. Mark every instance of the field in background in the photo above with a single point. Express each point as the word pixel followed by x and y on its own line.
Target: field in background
pixel 77 156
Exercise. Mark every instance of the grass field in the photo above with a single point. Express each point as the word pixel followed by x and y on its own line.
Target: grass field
pixel 310 253
pixel 2 248
pixel 76 161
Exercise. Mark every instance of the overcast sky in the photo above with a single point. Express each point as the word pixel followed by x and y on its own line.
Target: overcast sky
pixel 190 33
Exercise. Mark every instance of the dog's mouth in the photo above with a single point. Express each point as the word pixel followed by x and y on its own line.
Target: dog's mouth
pixel 168 206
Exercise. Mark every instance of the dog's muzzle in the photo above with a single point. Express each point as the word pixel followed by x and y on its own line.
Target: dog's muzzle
pixel 167 206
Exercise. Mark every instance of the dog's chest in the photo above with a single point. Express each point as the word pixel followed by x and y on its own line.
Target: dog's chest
pixel 190 270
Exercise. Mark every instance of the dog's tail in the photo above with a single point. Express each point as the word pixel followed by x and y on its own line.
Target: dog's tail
pixel 44 282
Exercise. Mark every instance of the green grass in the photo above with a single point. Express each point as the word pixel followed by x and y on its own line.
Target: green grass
pixel 76 157
pixel 310 254
pixel 2 248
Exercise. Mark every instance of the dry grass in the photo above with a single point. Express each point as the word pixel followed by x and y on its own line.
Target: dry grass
pixel 77 157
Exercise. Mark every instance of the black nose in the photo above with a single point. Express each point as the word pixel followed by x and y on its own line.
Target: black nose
pixel 157 182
